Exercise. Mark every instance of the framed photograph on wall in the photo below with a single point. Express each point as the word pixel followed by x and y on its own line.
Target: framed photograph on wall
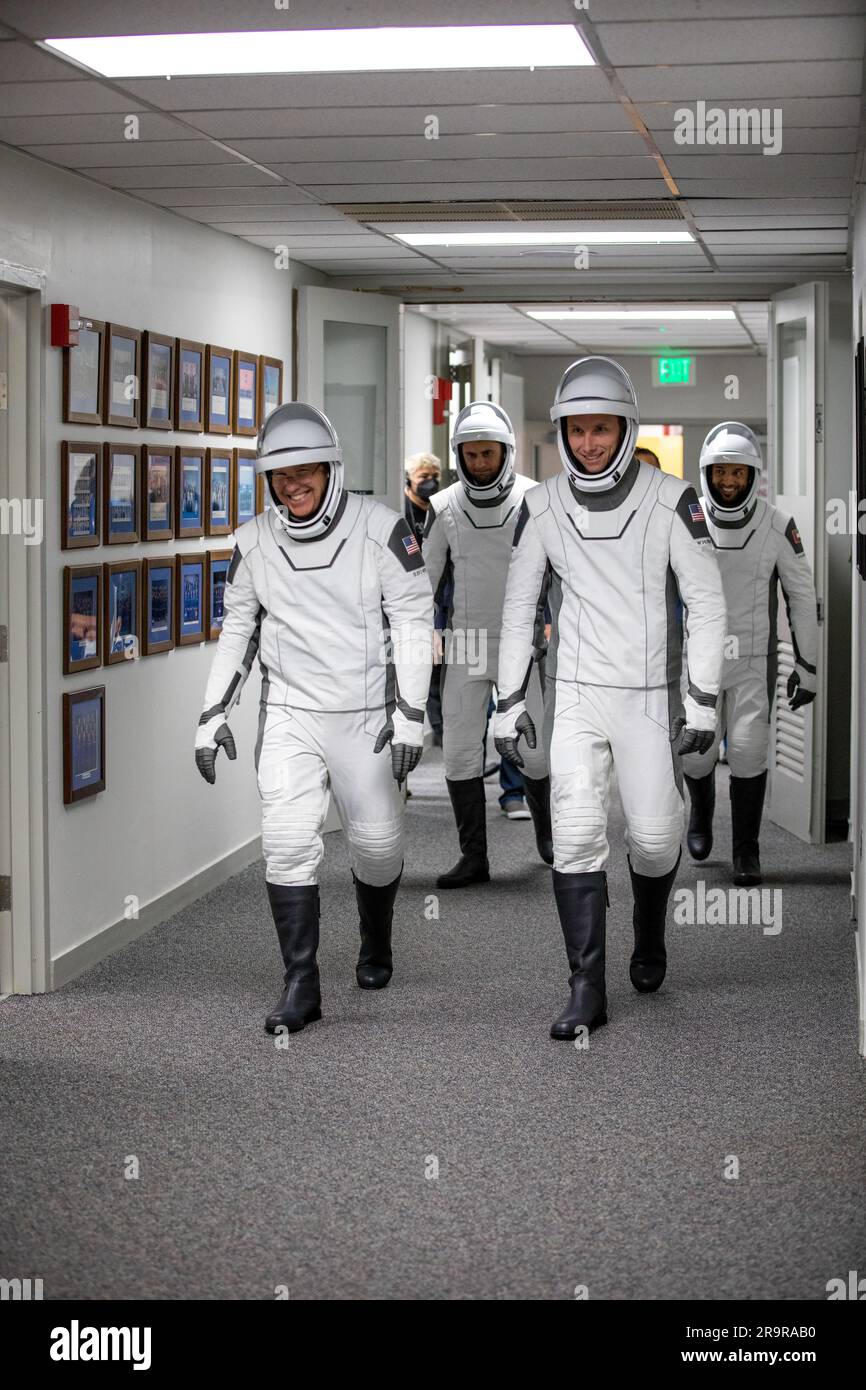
pixel 218 493
pixel 121 587
pixel 218 562
pixel 219 379
pixel 83 743
pixel 82 614
pixel 245 412
pixel 190 598
pixel 83 371
pixel 120 405
pixel 270 386
pixel 80 494
pixel 189 386
pixel 121 471
pixel 157 406
pixel 157 616
pixel 156 492
pixel 189 493
pixel 244 489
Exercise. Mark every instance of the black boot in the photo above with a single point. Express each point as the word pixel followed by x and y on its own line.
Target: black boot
pixel 649 958
pixel 747 805
pixel 296 917
pixel 699 837
pixel 537 793
pixel 376 911
pixel 581 901
pixel 470 812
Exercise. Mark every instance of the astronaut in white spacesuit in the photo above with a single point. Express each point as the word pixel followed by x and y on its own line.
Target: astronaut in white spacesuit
pixel 331 589
pixel 468 540
pixel 613 545
pixel 757 547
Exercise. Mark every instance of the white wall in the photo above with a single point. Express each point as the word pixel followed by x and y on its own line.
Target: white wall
pixel 157 823
pixel 858 765
pixel 419 363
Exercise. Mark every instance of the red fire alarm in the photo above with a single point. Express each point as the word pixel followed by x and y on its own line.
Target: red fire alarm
pixel 65 324
pixel 442 396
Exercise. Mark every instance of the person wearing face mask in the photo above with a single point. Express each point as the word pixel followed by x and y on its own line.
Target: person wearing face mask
pixel 423 478
pixel 758 547
pixel 467 544
pixel 611 544
pixel 330 588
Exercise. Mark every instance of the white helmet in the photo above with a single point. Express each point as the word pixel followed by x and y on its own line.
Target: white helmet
pixel 730 442
pixel 596 386
pixel 484 420
pixel 297 434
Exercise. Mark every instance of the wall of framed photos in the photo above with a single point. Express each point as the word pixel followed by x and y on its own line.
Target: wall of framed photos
pixel 181 287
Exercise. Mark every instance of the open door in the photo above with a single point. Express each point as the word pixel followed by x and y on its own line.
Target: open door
pixel 347 363
pixel 795 430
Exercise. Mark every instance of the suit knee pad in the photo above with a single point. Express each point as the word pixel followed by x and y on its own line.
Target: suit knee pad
pixel 579 837
pixel 654 843
pixel 292 847
pixel 375 850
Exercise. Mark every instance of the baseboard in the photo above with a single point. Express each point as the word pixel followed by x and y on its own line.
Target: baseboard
pixel 79 958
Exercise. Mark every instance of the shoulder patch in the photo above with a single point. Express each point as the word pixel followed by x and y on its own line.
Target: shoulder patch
pixel 794 538
pixel 691 512
pixel 404 544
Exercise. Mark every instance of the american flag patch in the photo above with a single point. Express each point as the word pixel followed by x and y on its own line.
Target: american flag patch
pixel 696 512
pixel 411 544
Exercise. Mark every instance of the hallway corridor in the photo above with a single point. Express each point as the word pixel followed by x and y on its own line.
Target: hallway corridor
pixel 312 1167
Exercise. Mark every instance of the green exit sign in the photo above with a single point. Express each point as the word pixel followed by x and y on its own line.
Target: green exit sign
pixel 673 371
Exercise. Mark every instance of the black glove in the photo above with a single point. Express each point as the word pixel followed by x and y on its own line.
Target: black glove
pixel 405 757
pixel 689 740
pixel 797 694
pixel 218 736
pixel 507 747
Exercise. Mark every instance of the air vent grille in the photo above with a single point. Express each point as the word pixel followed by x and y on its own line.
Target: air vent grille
pixel 633 210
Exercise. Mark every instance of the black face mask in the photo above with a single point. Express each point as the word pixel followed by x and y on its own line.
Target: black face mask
pixel 426 488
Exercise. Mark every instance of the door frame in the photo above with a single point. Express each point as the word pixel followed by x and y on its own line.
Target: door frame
pixel 24 294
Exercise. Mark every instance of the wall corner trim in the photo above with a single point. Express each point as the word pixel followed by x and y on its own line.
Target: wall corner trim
pixel 113 938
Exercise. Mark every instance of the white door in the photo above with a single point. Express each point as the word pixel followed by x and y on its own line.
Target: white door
pixel 795 428
pixel 348 365
pixel 6 967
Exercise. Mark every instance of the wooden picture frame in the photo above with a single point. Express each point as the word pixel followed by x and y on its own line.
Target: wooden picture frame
pixel 83 744
pixel 157 624
pixel 121 513
pixel 158 384
pixel 189 525
pixel 125 644
pixel 261 498
pixel 219 376
pixel 157 492
pixel 82 601
pixel 86 501
pixel 83 376
pixel 245 393
pixel 220 466
pixel 218 562
pixel 188 633
pixel 242 459
pixel 118 408
pixel 189 365
pixel 269 399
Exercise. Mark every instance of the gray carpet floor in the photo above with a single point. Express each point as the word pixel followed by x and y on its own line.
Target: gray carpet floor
pixel 313 1168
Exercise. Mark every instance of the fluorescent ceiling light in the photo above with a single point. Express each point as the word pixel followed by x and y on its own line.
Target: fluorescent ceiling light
pixel 539 238
pixel 331 50
pixel 609 315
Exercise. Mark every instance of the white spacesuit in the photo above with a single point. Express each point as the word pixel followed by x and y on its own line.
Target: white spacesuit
pixel 468 541
pixel 758 547
pixel 335 597
pixel 612 544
